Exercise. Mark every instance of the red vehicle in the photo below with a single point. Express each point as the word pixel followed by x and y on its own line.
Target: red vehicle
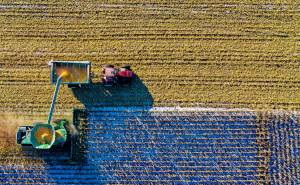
pixel 112 76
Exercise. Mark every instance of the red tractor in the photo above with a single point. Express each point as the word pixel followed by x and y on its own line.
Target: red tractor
pixel 113 76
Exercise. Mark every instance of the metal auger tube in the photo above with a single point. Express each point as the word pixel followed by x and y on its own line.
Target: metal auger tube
pixel 58 82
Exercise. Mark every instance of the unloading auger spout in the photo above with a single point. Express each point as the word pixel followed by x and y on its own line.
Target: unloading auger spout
pixel 64 74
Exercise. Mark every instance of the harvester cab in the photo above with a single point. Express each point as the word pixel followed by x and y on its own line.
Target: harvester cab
pixel 46 135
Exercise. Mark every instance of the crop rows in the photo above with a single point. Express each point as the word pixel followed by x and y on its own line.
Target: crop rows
pixel 221 54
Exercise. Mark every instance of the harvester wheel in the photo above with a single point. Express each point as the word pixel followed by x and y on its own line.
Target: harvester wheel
pixel 57 121
pixel 73 86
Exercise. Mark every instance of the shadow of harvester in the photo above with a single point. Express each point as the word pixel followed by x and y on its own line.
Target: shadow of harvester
pixel 96 95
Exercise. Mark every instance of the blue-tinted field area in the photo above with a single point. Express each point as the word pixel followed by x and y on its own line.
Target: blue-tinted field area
pixel 173 147
pixel 159 146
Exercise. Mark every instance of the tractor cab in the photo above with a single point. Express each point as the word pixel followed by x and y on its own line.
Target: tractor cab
pixel 109 75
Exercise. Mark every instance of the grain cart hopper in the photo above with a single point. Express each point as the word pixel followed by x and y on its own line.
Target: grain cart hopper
pixel 46 135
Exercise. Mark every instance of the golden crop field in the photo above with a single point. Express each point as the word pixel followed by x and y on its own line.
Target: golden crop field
pixel 188 53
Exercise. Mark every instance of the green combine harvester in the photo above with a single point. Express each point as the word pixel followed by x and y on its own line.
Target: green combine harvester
pixel 47 135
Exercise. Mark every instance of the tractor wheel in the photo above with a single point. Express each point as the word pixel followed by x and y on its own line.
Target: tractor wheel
pixel 126 67
pixel 108 66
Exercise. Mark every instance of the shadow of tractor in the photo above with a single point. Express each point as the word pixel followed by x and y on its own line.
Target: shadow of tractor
pixel 96 95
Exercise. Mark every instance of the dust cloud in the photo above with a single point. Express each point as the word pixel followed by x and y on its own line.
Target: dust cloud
pixel 8 128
